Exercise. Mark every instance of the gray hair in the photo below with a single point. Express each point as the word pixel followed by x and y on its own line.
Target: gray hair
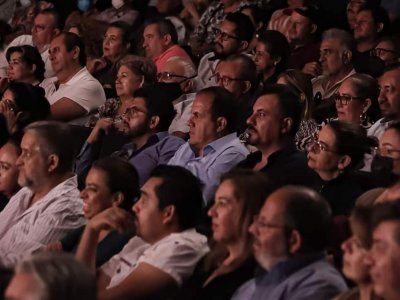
pixel 188 67
pixel 344 38
pixel 59 276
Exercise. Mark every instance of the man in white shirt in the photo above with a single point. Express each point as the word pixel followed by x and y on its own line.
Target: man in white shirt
pixel 167 247
pixel 48 205
pixel 45 28
pixel 73 93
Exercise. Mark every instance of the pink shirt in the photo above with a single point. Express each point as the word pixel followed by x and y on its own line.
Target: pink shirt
pixel 175 50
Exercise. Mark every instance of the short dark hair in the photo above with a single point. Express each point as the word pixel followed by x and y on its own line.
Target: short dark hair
pixel 289 103
pixel 158 104
pixel 36 109
pixel 73 40
pixel 125 28
pixel 244 30
pixel 56 138
pixel 248 69
pixel 53 12
pixel 386 212
pixel 309 213
pixel 164 27
pixel 222 105
pixel 31 56
pixel 379 15
pixel 121 177
pixel 179 187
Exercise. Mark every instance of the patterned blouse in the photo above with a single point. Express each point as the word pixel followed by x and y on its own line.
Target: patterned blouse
pixel 108 110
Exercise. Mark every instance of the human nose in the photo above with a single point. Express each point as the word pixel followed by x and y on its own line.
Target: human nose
pixel 83 194
pixel 253 228
pixel 250 120
pixel 19 161
pixel 382 95
pixel 136 207
pixel 211 211
pixel 346 245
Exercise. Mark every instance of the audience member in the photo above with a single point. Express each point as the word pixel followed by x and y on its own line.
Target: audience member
pixel 73 93
pixel 388 50
pixel 160 43
pixel 290 237
pixel 271 129
pixel 48 205
pixel 233 36
pixel 51 276
pixel 230 262
pixel 121 10
pixel 280 18
pixel 301 85
pixel 213 147
pixel 166 249
pixel 338 150
pixel 354 6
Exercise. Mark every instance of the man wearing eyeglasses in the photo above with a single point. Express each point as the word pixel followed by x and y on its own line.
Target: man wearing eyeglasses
pixel 290 237
pixel 233 36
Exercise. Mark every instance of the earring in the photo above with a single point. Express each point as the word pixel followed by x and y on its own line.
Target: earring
pixel 364 119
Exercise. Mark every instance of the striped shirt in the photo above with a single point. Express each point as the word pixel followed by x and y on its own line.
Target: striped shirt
pixel 24 229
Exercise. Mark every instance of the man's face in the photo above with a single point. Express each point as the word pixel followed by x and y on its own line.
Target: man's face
pixel 59 56
pixel 202 128
pixel 389 96
pixel 149 217
pixel 43 30
pixel 153 42
pixel 365 27
pixel 353 8
pixel 331 57
pixel 300 29
pixel 173 71
pixel 264 125
pixel 32 163
pixel 226 42
pixel 23 286
pixel 385 260
pixel 229 77
pixel 136 119
pixel 268 229
pixel 8 169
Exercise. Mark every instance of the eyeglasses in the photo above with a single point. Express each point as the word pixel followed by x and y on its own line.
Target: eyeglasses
pixel 167 76
pixel 259 223
pixel 344 99
pixel 316 146
pixel 134 111
pixel 388 152
pixel 378 51
pixel 223 35
pixel 226 80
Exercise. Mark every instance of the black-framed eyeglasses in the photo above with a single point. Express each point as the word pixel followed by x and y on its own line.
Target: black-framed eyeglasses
pixel 317 146
pixel 132 111
pixel 344 99
pixel 379 51
pixel 223 35
pixel 226 80
pixel 259 223
pixel 169 76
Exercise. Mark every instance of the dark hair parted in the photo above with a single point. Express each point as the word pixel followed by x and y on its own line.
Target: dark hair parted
pixel 71 41
pixel 309 213
pixel 121 177
pixel 180 188
pixel 244 30
pixel 288 102
pixel 352 140
pixel 55 138
pixel 222 105
pixel 30 56
pixel 164 27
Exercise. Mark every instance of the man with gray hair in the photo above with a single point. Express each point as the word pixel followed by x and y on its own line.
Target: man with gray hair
pixel 48 205
pixel 47 276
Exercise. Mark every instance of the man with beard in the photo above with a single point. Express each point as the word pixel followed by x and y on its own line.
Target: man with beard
pixel 271 129
pixel 145 122
pixel 233 36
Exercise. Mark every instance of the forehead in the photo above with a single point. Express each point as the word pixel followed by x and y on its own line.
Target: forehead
pixel 8 149
pixel 227 26
pixel 150 186
pixel 114 31
pixel 390 136
pixel 388 45
pixel 387 231
pixel 173 67
pixel 326 135
pixel 275 206
pixel 151 29
pixel 139 102
pixel 97 175
pixel 299 18
pixel 229 68
pixel 330 44
pixel 202 102
pixel 365 14
pixel 269 102
pixel 391 77
pixel 30 139
pixel 347 85
pixel 16 54
pixel 58 41
pixel 44 19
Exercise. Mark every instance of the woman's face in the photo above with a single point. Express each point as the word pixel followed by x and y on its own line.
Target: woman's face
pixel 348 106
pixel 225 214
pixel 113 45
pixel 96 195
pixel 17 69
pixel 321 154
pixel 127 82
pixel 8 170
pixel 261 58
pixel 354 257
pixel 389 146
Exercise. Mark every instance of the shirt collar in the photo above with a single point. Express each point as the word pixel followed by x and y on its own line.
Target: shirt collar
pixel 217 144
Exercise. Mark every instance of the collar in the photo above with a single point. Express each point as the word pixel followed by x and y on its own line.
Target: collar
pixel 216 145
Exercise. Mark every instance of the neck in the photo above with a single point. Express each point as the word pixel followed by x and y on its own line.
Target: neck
pixel 268 73
pixel 328 176
pixel 140 141
pixel 31 80
pixel 365 290
pixel 41 47
pixel 339 76
pixel 126 102
pixel 237 252
pixel 365 45
pixel 67 73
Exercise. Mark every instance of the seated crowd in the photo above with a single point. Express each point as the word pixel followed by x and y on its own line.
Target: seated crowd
pixel 200 149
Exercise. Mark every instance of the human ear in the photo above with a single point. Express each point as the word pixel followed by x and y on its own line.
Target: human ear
pixel 295 242
pixel 286 126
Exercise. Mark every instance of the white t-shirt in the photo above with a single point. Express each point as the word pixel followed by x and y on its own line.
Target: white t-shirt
pixel 177 255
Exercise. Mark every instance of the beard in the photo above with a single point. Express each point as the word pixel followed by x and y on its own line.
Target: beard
pixel 139 130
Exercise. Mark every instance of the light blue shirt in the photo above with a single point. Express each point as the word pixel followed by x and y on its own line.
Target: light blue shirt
pixel 218 157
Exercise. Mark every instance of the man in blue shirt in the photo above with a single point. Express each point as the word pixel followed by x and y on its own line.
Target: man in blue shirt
pixel 213 147
pixel 290 236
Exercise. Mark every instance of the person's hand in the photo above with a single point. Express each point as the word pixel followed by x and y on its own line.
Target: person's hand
pixel 96 64
pixel 312 68
pixel 103 124
pixel 54 247
pixel 113 218
pixel 8 111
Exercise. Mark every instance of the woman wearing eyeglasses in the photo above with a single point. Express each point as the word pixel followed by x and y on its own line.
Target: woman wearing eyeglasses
pixel 357 100
pixel 337 151
pixel 230 262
